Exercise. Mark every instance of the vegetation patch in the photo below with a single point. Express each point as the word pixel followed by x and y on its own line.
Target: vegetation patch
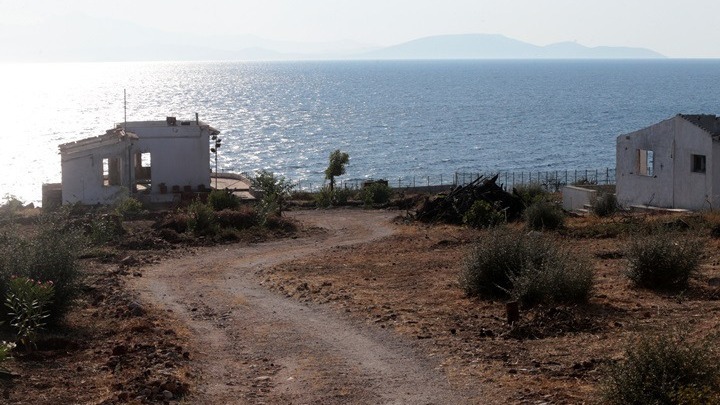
pixel 663 261
pixel 664 369
pixel 554 322
pixel 529 268
pixel 544 215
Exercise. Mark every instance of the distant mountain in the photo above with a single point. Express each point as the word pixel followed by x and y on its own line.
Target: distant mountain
pixel 79 38
pixel 489 46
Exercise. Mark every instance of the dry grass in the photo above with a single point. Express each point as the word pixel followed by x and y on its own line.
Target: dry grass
pixel 408 282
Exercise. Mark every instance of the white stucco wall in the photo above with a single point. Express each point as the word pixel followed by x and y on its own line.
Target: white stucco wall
pixel 692 190
pixel 82 174
pixel 673 184
pixel 575 198
pixel 180 154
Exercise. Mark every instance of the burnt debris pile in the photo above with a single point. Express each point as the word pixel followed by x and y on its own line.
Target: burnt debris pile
pixel 452 207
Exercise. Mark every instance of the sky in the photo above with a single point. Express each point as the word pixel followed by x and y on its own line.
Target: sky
pixel 687 29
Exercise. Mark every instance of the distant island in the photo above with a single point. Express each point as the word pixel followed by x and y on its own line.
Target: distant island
pixel 80 38
pixel 488 46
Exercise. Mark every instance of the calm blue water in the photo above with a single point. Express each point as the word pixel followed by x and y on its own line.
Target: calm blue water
pixel 395 119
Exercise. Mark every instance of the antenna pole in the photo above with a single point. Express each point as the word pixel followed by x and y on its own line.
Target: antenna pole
pixel 125 106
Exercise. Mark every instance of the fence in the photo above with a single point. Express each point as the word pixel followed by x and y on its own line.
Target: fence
pixel 552 180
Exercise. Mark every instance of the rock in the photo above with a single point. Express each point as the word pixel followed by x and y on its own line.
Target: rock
pixel 167 395
pixel 128 261
pixel 135 309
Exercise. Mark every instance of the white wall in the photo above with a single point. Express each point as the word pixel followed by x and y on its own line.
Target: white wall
pixel 673 185
pixel 692 190
pixel 180 154
pixel 82 174
pixel 633 188
pixel 575 198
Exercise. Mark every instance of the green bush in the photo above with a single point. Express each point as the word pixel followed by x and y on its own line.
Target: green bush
pixel 51 255
pixel 376 193
pixel 605 205
pixel 242 218
pixel 481 215
pixel 328 197
pixel 201 219
pixel 528 268
pixel 663 262
pixel 275 190
pixel 664 370
pixel 28 301
pixel 223 200
pixel 103 228
pixel 544 215
pixel 129 208
pixel 531 193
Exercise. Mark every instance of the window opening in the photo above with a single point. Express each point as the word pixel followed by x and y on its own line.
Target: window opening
pixel 111 171
pixel 645 162
pixel 143 172
pixel 698 163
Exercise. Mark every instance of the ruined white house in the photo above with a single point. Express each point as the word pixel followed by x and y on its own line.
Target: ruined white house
pixel 671 164
pixel 152 161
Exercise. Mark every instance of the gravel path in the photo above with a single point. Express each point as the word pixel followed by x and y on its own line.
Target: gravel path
pixel 256 346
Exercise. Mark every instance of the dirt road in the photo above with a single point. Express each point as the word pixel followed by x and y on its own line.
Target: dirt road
pixel 256 346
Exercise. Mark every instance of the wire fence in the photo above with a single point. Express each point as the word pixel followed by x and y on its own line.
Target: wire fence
pixel 552 180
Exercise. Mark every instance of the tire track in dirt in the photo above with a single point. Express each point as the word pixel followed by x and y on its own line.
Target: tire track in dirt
pixel 256 346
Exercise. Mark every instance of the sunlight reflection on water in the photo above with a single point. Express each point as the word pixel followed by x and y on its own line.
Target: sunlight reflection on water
pixel 394 118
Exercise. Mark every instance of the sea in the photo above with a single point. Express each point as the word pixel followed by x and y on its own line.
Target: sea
pixel 398 120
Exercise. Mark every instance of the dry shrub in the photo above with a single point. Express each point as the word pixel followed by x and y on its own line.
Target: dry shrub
pixel 530 268
pixel 664 369
pixel 242 218
pixel 663 261
pixel 544 215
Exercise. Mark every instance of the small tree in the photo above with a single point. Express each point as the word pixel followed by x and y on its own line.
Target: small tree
pixel 338 160
pixel 275 189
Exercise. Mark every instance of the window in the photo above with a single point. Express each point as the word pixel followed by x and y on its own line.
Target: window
pixel 143 172
pixel 645 165
pixel 111 171
pixel 698 163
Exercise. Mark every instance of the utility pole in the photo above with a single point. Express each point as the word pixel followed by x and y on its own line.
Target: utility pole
pixel 214 150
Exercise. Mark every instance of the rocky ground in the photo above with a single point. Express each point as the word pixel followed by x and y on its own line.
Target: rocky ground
pixel 361 307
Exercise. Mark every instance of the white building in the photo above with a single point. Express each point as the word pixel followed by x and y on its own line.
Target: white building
pixel 671 164
pixel 152 161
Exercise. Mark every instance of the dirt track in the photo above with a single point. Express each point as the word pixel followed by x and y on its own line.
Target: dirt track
pixel 256 346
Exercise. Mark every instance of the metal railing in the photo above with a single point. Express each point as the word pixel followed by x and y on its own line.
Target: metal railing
pixel 552 180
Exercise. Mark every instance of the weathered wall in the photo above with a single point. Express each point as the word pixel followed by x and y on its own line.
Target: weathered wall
pixel 633 188
pixel 180 154
pixel 673 184
pixel 692 190
pixel 82 175
pixel 575 198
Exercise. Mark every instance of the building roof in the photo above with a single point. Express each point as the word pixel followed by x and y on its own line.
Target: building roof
pixel 110 136
pixel 708 122
pixel 169 121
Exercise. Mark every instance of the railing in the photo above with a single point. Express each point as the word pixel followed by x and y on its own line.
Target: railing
pixel 552 180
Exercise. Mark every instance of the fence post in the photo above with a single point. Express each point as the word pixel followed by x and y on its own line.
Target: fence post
pixel 441 179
